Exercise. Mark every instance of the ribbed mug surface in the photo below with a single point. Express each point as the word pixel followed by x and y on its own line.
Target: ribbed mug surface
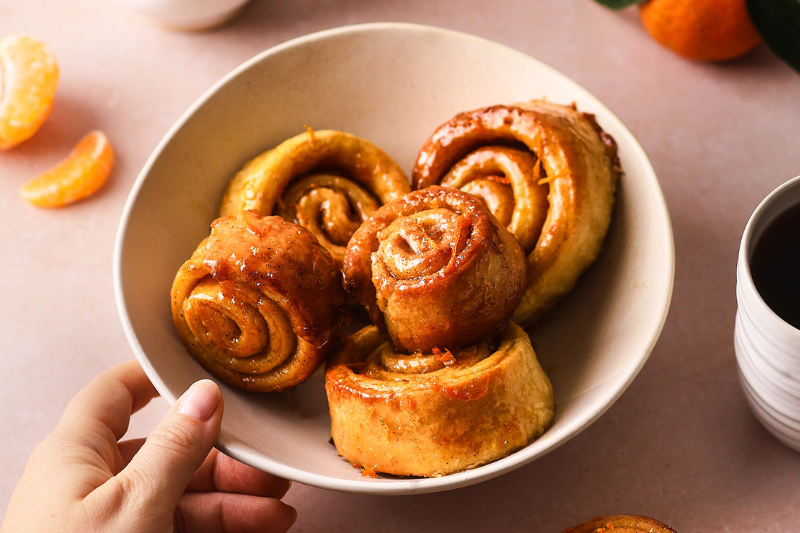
pixel 767 348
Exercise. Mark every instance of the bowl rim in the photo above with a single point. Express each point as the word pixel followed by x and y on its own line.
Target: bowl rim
pixel 228 444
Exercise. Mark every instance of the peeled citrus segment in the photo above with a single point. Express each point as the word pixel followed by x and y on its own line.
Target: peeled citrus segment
pixel 28 81
pixel 78 176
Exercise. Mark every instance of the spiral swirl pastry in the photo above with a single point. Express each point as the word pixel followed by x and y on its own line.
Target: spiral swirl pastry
pixel 326 181
pixel 546 171
pixel 438 413
pixel 260 303
pixel 435 270
pixel 620 524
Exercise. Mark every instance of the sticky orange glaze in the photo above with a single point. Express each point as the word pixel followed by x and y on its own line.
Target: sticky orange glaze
pixel 562 168
pixel 435 270
pixel 620 524
pixel 259 303
pixel 290 262
pixel 474 390
pixel 491 401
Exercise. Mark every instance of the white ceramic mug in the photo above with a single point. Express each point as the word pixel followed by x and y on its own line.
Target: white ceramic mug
pixel 767 347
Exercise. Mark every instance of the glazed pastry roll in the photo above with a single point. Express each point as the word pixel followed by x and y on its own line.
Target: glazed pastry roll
pixel 546 171
pixel 620 524
pixel 326 181
pixel 435 270
pixel 438 413
pixel 260 303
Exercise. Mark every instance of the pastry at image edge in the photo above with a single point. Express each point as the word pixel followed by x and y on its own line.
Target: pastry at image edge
pixel 435 270
pixel 260 303
pixel 435 414
pixel 620 524
pixel 547 171
pixel 326 181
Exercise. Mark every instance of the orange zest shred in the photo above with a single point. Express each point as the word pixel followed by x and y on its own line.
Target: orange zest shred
pixel 551 178
pixel 499 179
pixel 78 176
pixel 537 168
pixel 444 357
pixel 610 525
pixel 369 471
pixel 310 131
pixel 28 82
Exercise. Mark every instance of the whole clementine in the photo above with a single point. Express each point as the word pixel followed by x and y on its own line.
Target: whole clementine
pixel 703 30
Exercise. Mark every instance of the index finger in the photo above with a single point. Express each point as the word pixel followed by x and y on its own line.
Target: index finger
pixel 108 402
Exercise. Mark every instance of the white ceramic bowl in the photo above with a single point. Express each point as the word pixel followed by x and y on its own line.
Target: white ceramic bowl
pixel 188 15
pixel 392 84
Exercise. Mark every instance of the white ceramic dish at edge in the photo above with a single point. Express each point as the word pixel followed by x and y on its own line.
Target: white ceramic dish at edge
pixel 392 84
pixel 188 15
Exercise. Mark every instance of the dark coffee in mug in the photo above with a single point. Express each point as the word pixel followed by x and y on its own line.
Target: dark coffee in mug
pixel 775 265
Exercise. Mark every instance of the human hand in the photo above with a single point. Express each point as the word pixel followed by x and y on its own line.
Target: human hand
pixel 81 479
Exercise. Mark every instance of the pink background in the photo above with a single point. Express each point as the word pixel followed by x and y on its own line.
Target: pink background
pixel 680 445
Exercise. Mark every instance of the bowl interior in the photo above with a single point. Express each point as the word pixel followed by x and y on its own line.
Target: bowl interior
pixel 392 84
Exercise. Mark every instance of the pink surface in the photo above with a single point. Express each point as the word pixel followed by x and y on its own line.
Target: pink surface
pixel 680 445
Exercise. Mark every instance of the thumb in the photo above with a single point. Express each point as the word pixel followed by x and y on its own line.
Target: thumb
pixel 162 468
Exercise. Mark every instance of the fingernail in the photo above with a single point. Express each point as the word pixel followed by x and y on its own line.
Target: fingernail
pixel 200 401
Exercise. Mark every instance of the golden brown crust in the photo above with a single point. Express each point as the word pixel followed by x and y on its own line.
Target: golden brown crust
pixel 326 181
pixel 574 161
pixel 620 524
pixel 435 414
pixel 435 270
pixel 259 304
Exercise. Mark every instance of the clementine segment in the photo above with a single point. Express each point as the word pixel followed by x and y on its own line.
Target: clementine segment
pixel 78 176
pixel 703 30
pixel 28 81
